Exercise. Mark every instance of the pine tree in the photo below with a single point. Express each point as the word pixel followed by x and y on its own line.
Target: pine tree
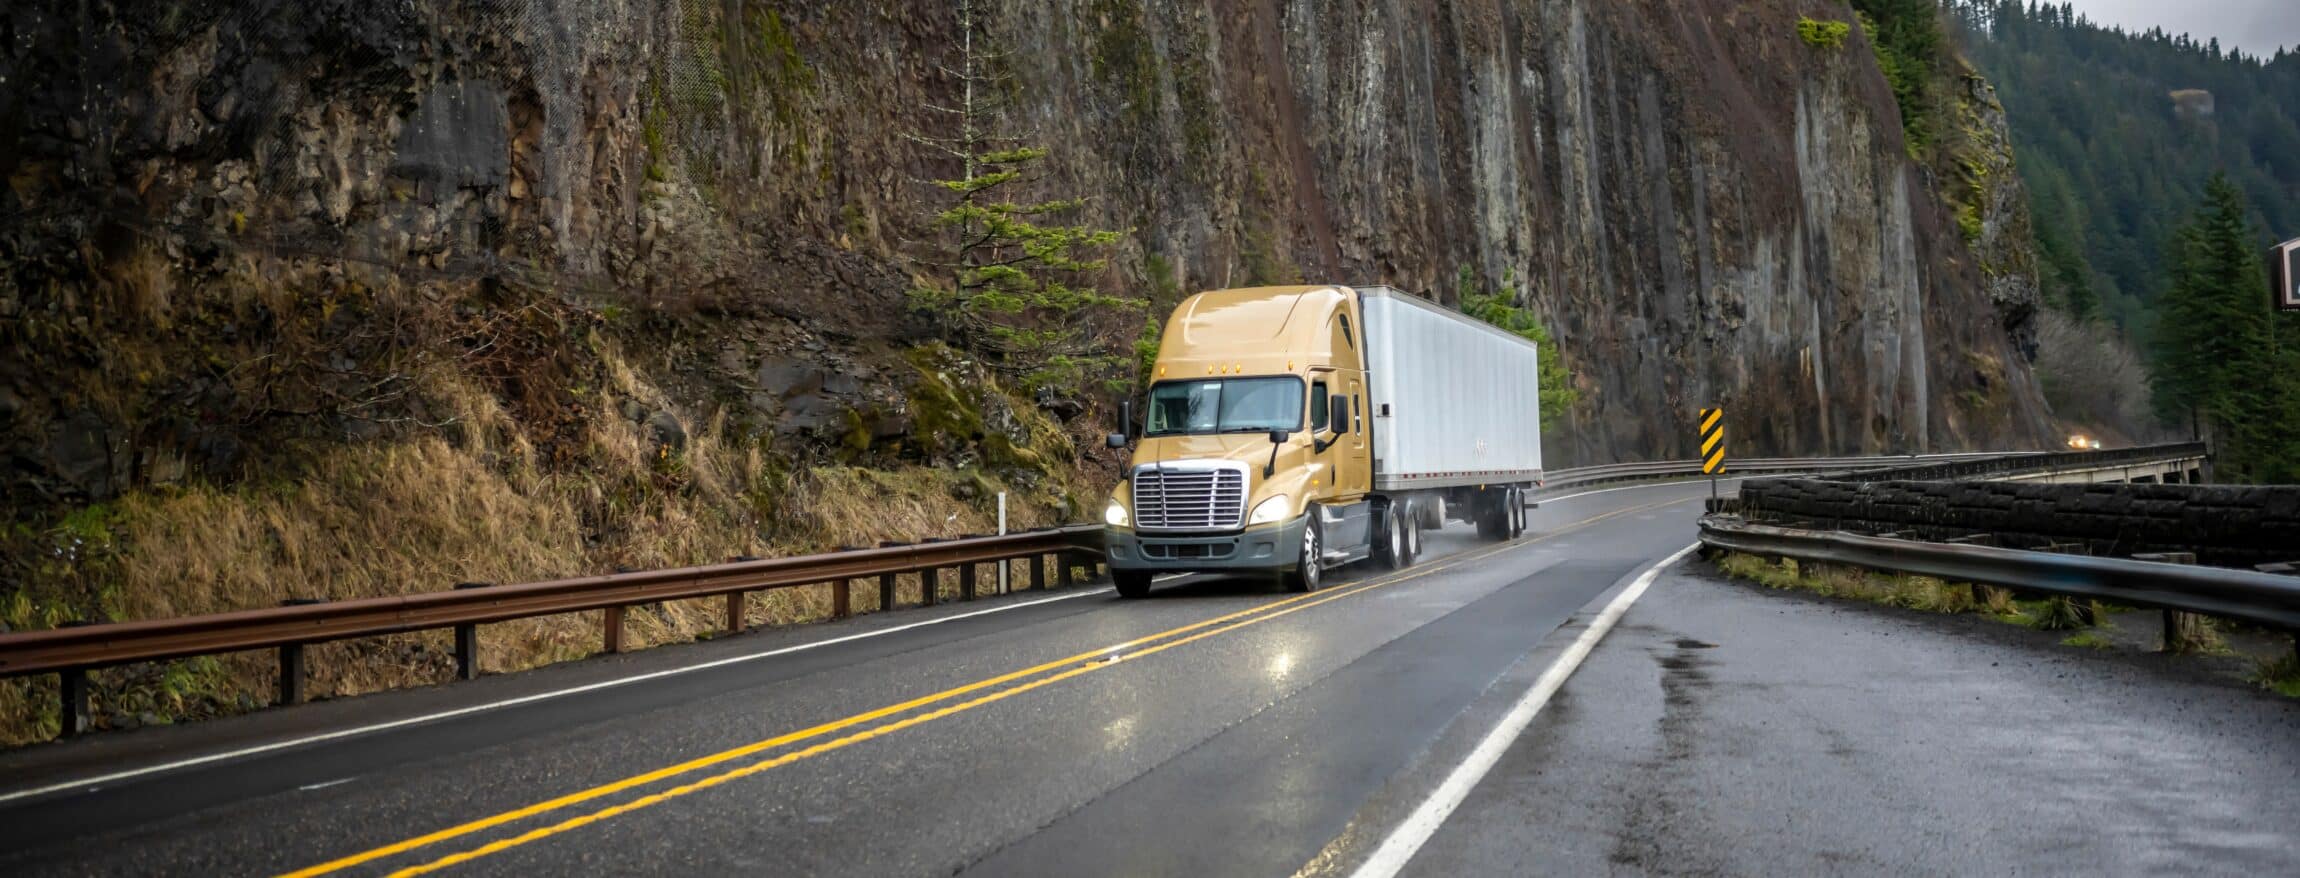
pixel 2218 360
pixel 1020 289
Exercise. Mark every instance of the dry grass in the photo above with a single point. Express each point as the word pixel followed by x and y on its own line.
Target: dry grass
pixel 2280 675
pixel 2088 640
pixel 424 514
pixel 2197 635
pixel 2061 614
pixel 1912 592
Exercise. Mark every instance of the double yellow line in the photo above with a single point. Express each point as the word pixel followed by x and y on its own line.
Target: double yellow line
pixel 985 691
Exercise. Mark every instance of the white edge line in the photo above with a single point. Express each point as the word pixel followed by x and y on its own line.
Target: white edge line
pixel 90 784
pixel 1407 839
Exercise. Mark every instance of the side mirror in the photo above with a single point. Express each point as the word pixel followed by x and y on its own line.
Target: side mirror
pixel 1338 414
pixel 1279 437
pixel 1126 418
pixel 1115 440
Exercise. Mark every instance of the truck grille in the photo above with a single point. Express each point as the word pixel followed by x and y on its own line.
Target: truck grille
pixel 1189 499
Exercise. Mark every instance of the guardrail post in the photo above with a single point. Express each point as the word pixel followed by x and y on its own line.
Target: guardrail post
pixel 72 684
pixel 886 581
pixel 2285 568
pixel 929 586
pixel 966 582
pixel 291 674
pixel 2181 630
pixel 291 661
pixel 467 641
pixel 737 601
pixel 1062 571
pixel 842 603
pixel 1038 572
pixel 72 690
pixel 611 619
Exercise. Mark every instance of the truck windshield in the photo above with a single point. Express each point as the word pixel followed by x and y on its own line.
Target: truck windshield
pixel 1227 405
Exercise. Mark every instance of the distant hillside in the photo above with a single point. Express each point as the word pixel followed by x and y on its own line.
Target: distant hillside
pixel 2116 134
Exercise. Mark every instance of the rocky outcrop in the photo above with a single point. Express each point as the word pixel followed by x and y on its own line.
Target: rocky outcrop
pixel 234 233
pixel 1991 206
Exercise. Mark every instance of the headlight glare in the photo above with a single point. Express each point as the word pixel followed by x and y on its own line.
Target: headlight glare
pixel 1114 514
pixel 1277 508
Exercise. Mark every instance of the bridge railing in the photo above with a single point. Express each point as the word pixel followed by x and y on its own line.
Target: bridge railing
pixel 2062 461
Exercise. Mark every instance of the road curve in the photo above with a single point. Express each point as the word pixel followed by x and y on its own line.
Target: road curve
pixel 1217 726
pixel 1221 728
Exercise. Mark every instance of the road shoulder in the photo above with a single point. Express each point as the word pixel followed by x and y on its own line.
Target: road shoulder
pixel 1726 729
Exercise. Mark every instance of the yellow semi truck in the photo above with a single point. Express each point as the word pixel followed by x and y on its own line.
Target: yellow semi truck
pixel 1291 430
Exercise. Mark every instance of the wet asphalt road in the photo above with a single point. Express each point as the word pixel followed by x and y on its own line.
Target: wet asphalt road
pixel 1724 729
pixel 1238 746
pixel 1219 728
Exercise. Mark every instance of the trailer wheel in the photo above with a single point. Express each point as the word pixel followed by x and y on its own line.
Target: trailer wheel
pixel 1492 511
pixel 1516 513
pixel 1432 513
pixel 1132 584
pixel 1393 550
pixel 1307 572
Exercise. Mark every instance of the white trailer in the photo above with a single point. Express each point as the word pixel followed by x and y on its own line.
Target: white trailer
pixel 1456 400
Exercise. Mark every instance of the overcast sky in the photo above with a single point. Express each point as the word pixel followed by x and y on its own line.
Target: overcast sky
pixel 2258 27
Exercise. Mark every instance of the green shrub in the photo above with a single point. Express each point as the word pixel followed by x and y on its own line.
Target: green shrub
pixel 1823 34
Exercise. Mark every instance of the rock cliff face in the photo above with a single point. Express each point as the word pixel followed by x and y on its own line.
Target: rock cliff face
pixel 235 231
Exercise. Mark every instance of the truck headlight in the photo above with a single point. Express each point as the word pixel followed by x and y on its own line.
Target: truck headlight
pixel 1114 514
pixel 1277 508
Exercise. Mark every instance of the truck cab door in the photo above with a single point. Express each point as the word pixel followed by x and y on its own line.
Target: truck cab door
pixel 1352 459
pixel 1354 465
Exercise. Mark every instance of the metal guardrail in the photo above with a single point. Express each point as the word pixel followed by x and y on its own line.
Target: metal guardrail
pixel 73 651
pixel 2265 599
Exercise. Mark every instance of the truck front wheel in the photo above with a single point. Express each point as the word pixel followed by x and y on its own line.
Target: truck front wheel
pixel 1307 572
pixel 1132 584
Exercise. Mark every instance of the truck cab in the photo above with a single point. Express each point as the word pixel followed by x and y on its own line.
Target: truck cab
pixel 1253 420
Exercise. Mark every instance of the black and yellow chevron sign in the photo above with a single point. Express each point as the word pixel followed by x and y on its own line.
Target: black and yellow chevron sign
pixel 1713 441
